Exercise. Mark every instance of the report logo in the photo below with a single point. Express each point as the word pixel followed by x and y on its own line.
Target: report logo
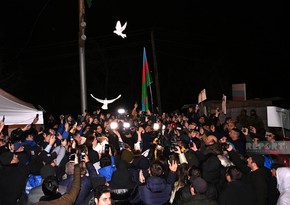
pixel 265 147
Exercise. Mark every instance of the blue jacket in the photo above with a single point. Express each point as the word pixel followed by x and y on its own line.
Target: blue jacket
pixel 156 191
pixel 108 171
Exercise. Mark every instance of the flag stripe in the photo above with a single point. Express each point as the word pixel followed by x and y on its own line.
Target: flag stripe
pixel 146 81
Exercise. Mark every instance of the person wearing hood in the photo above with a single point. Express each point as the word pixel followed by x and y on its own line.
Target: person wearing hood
pixel 121 183
pixel 283 179
pixel 155 189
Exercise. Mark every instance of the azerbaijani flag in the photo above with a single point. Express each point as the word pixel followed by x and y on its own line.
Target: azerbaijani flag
pixel 146 81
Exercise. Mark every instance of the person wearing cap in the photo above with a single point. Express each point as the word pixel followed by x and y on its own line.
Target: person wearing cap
pixel 198 189
pixel 255 173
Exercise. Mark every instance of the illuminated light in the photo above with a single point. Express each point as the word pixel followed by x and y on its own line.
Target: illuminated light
pixel 114 125
pixel 156 126
pixel 126 124
pixel 121 111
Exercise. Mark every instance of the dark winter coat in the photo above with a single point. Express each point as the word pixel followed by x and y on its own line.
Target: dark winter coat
pixel 199 199
pixel 238 193
pixel 156 191
pixel 258 179
pixel 13 179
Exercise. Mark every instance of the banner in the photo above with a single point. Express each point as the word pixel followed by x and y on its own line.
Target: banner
pixel 224 104
pixel 201 96
pixel 239 92
pixel 278 117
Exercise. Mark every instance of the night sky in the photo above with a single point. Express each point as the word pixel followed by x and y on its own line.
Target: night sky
pixel 199 44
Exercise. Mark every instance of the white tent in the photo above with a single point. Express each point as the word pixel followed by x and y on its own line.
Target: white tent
pixel 16 111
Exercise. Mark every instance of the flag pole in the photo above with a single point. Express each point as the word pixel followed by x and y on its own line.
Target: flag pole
pixel 158 96
pixel 151 96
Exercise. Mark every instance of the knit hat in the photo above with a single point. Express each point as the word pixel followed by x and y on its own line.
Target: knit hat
pixel 143 163
pixel 127 155
pixel 6 158
pixel 199 185
pixel 47 170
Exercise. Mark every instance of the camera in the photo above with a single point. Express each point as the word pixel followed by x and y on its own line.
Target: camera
pixel 190 143
pixel 179 128
pixel 72 157
pixel 82 156
pixel 224 146
pixel 121 145
pixel 173 144
pixel 107 148
pixel 175 127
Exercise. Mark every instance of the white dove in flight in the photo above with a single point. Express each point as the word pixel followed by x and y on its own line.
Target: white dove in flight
pixel 119 29
pixel 105 101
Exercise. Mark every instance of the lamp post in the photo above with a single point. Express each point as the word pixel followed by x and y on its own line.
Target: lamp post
pixel 82 39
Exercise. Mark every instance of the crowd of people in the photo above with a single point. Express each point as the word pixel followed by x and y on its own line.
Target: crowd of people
pixel 176 158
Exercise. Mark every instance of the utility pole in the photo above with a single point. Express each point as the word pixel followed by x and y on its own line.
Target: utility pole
pixel 82 39
pixel 159 110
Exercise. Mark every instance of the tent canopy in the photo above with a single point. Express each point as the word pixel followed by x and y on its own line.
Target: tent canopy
pixel 16 111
